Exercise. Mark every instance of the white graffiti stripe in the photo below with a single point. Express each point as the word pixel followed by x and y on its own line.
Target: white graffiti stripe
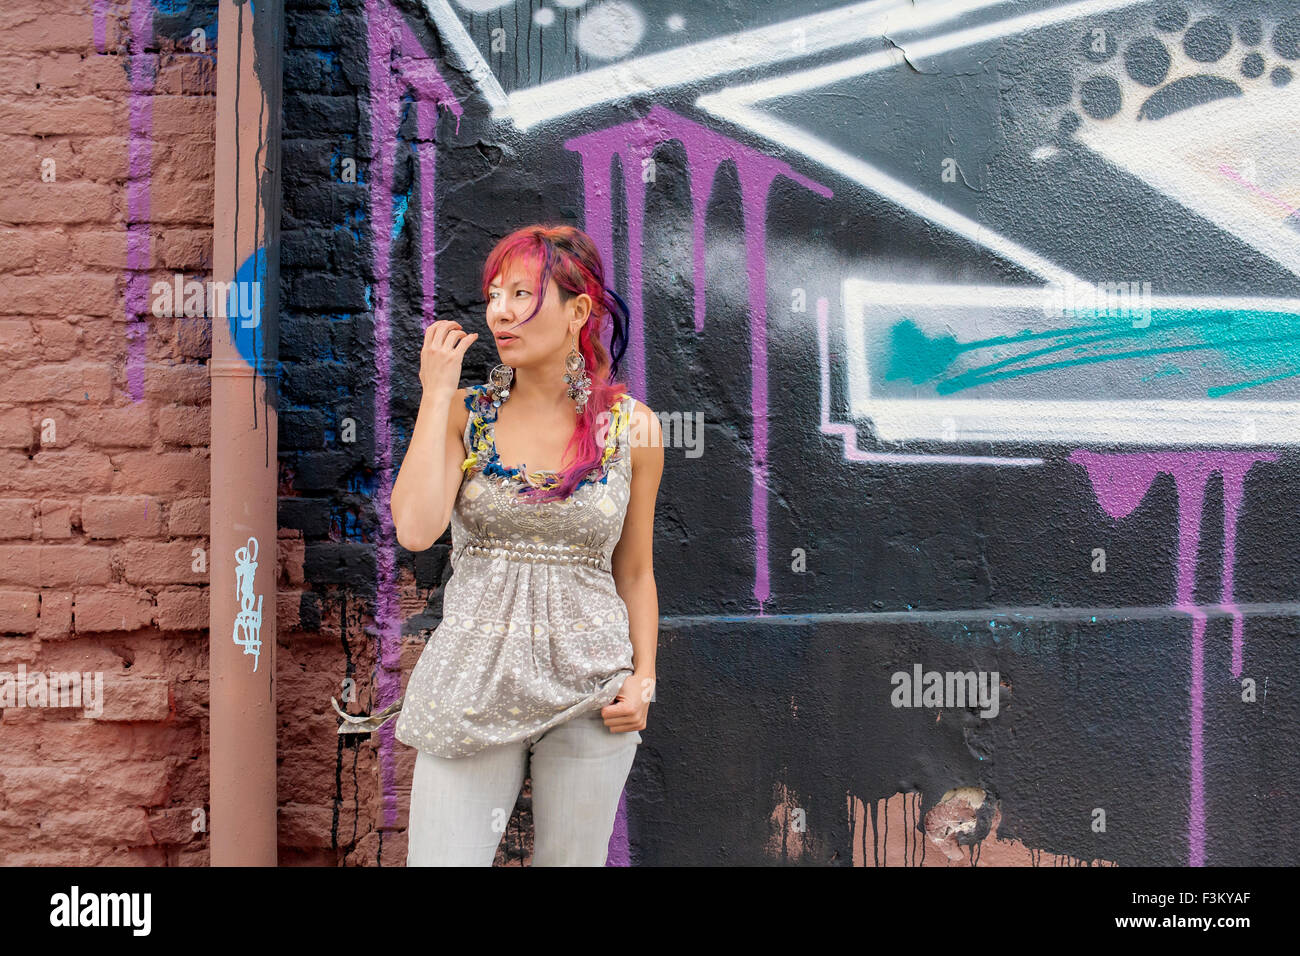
pixel 718 56
pixel 452 32
pixel 738 105
pixel 880 182
pixel 750 94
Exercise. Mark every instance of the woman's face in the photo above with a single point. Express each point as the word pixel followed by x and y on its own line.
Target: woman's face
pixel 512 295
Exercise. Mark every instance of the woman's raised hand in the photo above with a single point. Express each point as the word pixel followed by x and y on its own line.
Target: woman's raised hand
pixel 445 344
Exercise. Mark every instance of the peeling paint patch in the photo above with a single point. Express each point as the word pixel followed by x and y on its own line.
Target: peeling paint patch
pixel 960 830
pixel 788 825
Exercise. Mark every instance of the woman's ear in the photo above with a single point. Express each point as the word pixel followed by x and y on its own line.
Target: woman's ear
pixel 581 306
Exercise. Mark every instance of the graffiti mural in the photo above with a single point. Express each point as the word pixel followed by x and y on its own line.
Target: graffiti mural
pixel 991 310
pixel 400 73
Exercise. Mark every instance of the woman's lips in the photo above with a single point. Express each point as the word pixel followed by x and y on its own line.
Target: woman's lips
pixel 506 339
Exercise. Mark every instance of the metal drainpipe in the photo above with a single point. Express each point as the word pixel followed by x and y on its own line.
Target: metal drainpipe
pixel 244 374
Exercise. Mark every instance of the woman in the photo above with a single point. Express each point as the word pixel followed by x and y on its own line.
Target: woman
pixel 544 662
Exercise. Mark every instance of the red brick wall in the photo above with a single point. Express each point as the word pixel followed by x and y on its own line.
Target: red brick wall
pixel 103 485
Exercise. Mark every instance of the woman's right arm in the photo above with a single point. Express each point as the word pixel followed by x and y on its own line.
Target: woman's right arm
pixel 429 480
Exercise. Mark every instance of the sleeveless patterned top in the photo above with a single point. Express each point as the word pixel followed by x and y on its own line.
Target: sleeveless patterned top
pixel 533 631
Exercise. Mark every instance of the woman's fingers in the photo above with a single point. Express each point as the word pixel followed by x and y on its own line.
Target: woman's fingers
pixel 436 334
pixel 446 337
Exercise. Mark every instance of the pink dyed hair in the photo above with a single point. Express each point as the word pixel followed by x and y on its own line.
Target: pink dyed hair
pixel 568 255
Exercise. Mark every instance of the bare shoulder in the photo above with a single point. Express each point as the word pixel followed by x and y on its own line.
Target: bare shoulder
pixel 645 432
pixel 643 416
pixel 458 413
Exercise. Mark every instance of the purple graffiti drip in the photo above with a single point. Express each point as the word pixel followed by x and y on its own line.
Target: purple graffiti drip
pixel 143 72
pixel 706 150
pixel 1232 494
pixel 99 15
pixel 390 77
pixel 1196 810
pixel 619 853
pixel 421 76
pixel 1120 482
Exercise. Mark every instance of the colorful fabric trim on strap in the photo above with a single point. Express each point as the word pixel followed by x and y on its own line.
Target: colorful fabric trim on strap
pixel 484 456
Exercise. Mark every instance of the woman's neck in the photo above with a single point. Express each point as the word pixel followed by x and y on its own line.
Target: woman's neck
pixel 541 387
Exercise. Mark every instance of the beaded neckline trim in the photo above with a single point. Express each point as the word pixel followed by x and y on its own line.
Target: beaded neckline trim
pixel 484 456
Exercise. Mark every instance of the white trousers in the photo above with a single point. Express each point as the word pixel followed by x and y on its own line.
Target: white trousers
pixel 460 806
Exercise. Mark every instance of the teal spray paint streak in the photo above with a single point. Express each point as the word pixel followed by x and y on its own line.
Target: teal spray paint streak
pixel 961 381
pixel 916 356
pixel 1218 390
pixel 1251 340
pixel 352 223
pixel 399 213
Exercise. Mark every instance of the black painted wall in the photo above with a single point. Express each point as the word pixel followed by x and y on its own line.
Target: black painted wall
pixel 1006 162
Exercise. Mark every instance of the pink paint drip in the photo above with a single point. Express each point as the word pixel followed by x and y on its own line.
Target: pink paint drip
pixel 397 63
pixel 706 151
pixel 1120 482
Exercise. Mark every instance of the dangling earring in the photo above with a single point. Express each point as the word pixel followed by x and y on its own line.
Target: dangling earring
pixel 576 376
pixel 499 382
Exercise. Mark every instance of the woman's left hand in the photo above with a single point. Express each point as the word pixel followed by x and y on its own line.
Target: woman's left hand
pixel 630 707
